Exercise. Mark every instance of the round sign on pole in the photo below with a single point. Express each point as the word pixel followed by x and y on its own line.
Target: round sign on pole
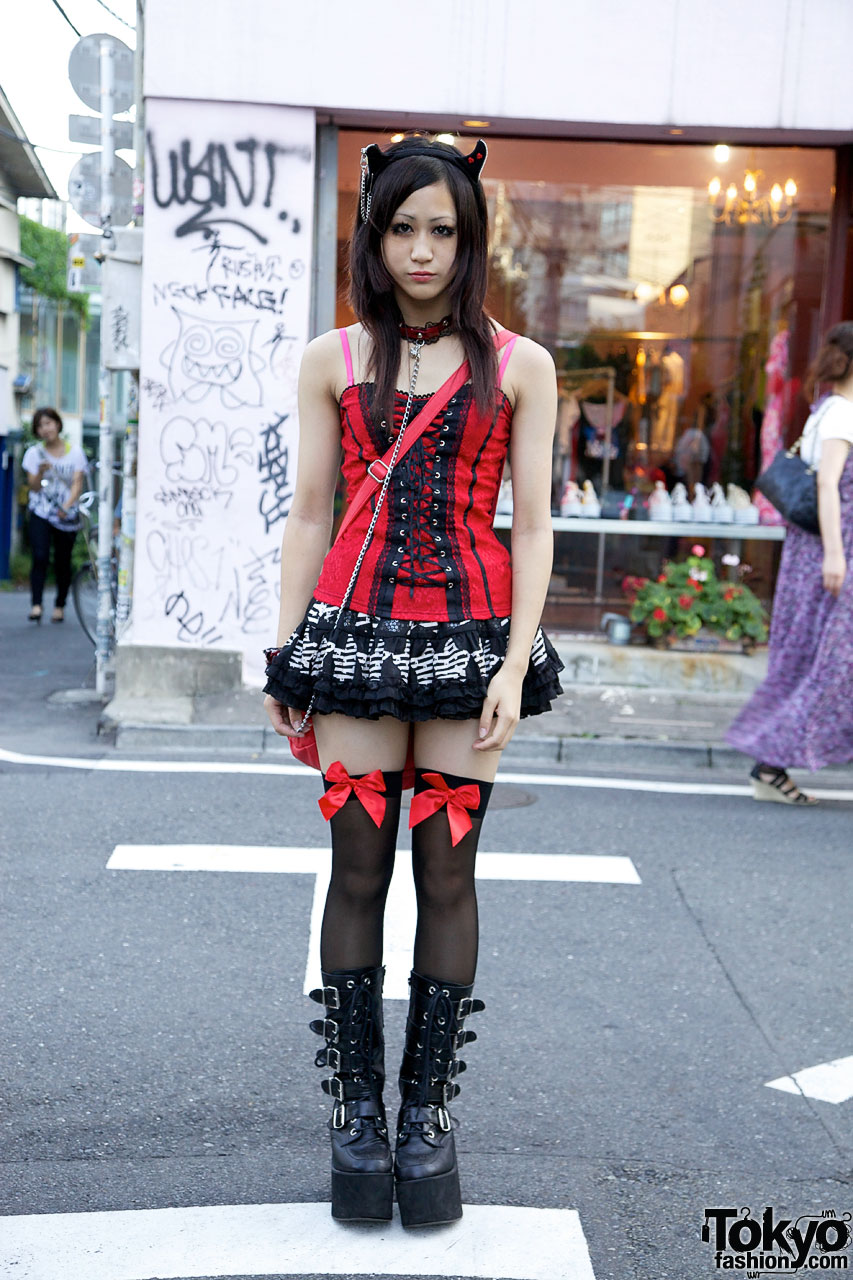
pixel 84 72
pixel 84 190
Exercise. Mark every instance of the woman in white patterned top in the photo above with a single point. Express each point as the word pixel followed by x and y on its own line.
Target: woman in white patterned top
pixel 56 472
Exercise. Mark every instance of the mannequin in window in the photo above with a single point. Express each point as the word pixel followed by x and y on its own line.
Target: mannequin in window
pixel 672 391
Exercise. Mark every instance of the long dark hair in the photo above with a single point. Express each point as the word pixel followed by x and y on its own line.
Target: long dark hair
pixel 833 361
pixel 371 292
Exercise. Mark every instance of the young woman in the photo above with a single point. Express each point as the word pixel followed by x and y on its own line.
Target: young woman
pixel 56 471
pixel 438 640
pixel 801 715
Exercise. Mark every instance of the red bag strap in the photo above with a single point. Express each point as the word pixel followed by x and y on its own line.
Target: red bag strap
pixel 371 483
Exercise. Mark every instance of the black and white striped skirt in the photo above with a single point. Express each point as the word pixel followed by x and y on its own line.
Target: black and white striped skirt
pixel 413 670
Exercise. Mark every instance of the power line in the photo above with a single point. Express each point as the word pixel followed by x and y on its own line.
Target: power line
pixel 117 16
pixel 38 146
pixel 67 19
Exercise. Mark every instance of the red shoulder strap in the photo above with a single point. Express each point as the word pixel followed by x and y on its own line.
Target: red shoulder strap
pixel 415 429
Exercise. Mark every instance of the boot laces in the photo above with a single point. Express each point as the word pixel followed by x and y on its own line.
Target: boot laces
pixel 356 1035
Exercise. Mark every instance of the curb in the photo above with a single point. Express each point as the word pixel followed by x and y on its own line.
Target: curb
pixel 552 750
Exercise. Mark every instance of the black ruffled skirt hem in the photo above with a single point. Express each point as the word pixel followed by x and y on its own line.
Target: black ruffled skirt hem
pixel 369 667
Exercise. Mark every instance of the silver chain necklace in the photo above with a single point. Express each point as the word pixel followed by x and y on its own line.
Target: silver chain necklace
pixel 415 353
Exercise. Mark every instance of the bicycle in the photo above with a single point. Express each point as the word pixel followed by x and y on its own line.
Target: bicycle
pixel 84 584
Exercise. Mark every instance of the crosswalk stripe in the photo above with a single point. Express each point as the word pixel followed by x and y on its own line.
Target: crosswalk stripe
pixel 291 1239
pixel 401 906
pixel 827 1081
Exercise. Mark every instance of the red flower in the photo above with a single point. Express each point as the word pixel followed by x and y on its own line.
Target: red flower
pixel 659 614
pixel 697 550
pixel 694 585
pixel 661 577
pixel 730 594
pixel 685 601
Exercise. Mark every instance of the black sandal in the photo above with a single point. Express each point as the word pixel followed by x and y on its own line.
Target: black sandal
pixel 771 783
pixel 35 613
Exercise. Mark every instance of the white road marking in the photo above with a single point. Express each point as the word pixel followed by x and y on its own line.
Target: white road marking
pixel 401 907
pixel 827 1082
pixel 291 1239
pixel 656 786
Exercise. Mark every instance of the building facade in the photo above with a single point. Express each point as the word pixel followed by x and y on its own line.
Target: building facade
pixel 21 175
pixel 670 199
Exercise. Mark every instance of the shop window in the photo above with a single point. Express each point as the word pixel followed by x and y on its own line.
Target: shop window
pixel 45 373
pixel 615 256
pixel 70 380
pixel 91 399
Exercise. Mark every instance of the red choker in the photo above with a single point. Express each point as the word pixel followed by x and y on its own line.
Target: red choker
pixel 426 332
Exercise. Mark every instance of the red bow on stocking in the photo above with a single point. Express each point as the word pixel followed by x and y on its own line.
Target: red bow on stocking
pixel 370 790
pixel 458 800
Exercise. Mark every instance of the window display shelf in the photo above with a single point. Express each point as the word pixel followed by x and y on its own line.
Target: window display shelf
pixel 731 533
pixel 660 528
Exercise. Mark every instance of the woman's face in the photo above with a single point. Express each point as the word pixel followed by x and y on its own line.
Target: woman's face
pixel 48 430
pixel 419 247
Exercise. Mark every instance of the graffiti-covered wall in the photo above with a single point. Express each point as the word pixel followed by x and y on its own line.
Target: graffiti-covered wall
pixel 225 312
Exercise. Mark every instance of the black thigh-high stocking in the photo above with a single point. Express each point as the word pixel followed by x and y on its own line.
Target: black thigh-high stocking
pixel 447 933
pixel 362 865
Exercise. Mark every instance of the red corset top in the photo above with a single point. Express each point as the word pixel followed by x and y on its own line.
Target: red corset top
pixel 434 554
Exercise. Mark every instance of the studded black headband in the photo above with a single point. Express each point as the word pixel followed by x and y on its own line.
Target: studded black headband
pixel 374 161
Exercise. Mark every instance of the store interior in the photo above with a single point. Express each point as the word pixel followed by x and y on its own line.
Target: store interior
pixel 678 288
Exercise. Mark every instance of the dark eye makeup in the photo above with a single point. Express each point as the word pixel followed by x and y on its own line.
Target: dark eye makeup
pixel 402 227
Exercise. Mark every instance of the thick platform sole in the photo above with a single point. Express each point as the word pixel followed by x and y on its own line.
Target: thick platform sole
pixel 362 1197
pixel 429 1202
pixel 764 791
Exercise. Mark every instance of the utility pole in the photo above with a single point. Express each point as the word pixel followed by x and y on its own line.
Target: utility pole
pixel 127 544
pixel 99 186
pixel 105 439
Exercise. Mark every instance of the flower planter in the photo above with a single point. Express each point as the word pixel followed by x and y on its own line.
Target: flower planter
pixel 704 642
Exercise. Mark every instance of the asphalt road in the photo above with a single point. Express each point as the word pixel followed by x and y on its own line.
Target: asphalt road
pixel 156 1053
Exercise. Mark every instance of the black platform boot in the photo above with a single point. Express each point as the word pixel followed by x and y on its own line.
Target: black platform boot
pixel 425 1166
pixel 362 1171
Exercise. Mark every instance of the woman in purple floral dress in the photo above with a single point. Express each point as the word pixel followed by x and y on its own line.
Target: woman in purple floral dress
pixel 802 715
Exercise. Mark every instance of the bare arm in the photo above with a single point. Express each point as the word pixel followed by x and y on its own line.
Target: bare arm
pixel 308 528
pixel 34 478
pixel 832 460
pixel 534 418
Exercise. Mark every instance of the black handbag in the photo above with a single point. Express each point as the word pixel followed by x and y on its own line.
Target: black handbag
pixel 790 484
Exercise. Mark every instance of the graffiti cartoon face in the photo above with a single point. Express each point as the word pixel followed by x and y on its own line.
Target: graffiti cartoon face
pixel 217 356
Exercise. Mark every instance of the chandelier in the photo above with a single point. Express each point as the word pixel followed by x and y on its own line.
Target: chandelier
pixel 734 206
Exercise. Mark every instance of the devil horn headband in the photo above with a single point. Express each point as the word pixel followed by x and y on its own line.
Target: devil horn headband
pixel 374 161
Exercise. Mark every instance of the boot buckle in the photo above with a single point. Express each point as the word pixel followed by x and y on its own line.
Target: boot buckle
pixel 333 1058
pixel 339 1116
pixel 336 1088
pixel 443 1119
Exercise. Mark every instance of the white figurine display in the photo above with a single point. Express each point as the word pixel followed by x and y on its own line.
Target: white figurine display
pixel 589 498
pixel 570 503
pixel 504 507
pixel 660 503
pixel 743 510
pixel 681 508
pixel 701 506
pixel 721 512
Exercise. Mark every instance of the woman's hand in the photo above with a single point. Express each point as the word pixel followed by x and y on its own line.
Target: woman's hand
pixel 285 720
pixel 834 572
pixel 501 711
